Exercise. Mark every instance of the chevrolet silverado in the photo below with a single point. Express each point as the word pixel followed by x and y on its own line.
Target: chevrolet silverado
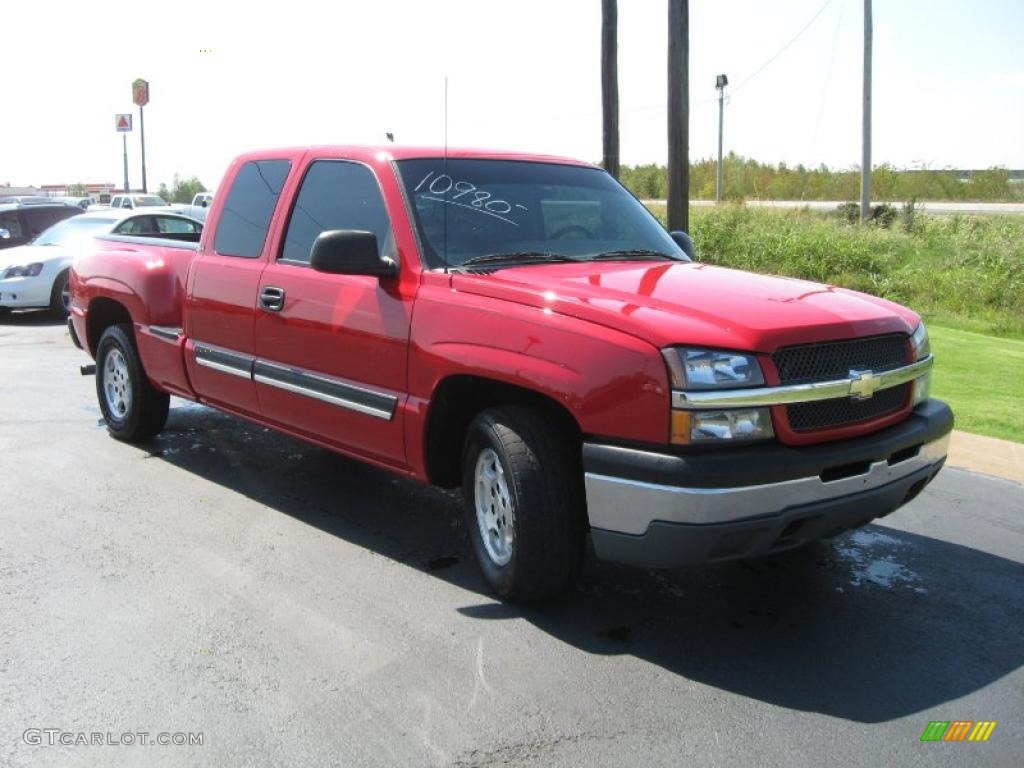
pixel 522 327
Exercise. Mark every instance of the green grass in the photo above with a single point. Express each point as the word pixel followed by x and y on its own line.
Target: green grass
pixel 959 271
pixel 982 378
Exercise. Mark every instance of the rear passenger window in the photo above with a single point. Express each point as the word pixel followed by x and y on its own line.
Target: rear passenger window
pixel 336 195
pixel 245 218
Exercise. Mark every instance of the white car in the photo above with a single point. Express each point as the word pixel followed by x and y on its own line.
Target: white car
pixel 35 275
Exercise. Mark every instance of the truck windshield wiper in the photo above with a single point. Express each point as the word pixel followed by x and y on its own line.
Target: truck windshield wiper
pixel 631 254
pixel 514 257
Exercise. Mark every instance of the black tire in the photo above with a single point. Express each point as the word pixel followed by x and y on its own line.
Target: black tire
pixel 57 306
pixel 543 475
pixel 144 410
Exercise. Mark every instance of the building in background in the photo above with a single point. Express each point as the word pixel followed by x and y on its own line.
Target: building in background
pixel 100 193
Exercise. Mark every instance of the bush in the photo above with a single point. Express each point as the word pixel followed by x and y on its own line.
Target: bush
pixel 883 215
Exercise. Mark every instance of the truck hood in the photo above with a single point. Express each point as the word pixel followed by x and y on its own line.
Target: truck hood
pixel 691 303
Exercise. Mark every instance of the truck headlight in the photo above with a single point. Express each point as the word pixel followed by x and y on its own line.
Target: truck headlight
pixel 919 342
pixel 694 369
pixel 703 369
pixel 28 270
pixel 922 348
pixel 690 427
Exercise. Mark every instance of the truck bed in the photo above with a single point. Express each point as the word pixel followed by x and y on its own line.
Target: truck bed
pixel 189 240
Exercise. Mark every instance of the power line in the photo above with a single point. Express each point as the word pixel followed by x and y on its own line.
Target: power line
pixel 824 88
pixel 782 50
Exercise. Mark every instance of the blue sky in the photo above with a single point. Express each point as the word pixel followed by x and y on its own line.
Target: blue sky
pixel 949 80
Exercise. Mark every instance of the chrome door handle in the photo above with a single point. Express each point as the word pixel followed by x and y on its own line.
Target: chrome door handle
pixel 272 299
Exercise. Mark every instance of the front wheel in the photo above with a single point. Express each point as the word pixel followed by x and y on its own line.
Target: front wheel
pixel 523 500
pixel 132 407
pixel 60 295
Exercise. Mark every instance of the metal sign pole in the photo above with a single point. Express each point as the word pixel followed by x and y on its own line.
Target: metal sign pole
pixel 142 134
pixel 124 141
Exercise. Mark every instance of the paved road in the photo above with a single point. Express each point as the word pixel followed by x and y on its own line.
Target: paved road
pixel 297 608
pixel 830 205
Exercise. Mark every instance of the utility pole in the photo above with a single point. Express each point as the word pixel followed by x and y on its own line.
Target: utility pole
pixel 865 162
pixel 720 82
pixel 678 115
pixel 610 84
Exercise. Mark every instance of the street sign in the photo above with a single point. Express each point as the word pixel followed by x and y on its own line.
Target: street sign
pixel 123 123
pixel 140 92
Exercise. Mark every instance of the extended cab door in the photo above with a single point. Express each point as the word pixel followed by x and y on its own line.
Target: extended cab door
pixel 331 349
pixel 223 283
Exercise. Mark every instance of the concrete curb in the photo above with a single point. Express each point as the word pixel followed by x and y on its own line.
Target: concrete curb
pixel 987 455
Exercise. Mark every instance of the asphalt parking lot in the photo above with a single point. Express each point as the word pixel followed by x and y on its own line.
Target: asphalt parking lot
pixel 298 608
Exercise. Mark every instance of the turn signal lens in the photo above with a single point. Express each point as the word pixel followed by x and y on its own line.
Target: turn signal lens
pixel 734 424
pixel 922 389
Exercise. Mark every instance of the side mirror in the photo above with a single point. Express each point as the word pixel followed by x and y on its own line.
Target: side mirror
pixel 685 242
pixel 350 252
pixel 5 234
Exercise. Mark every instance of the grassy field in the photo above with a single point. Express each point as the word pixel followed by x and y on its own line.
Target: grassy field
pixel 965 274
pixel 960 271
pixel 982 378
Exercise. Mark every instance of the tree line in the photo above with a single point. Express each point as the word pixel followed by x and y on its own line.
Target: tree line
pixel 181 190
pixel 748 179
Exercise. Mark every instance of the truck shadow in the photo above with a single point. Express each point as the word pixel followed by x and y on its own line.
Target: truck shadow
pixel 874 626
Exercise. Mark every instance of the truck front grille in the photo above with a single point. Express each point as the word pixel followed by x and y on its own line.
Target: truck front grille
pixel 827 414
pixel 832 360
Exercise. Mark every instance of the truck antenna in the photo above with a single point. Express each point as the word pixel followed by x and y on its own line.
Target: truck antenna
pixel 444 237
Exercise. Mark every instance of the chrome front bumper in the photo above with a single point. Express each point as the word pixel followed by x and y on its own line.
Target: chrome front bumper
pixel 629 506
pixel 755 499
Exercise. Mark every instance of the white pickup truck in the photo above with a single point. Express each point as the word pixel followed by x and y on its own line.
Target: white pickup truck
pixel 200 205
pixel 132 201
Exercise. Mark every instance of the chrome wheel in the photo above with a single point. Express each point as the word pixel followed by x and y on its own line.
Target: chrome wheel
pixel 494 513
pixel 117 385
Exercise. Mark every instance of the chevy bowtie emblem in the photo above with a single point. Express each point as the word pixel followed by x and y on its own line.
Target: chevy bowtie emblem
pixel 863 385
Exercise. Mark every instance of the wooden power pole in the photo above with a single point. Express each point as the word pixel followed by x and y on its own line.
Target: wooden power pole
pixel 678 115
pixel 865 162
pixel 610 84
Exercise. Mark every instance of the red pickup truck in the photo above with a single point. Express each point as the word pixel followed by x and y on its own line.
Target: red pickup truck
pixel 521 326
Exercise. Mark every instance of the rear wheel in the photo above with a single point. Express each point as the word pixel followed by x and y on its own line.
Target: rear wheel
pixel 60 295
pixel 132 407
pixel 523 501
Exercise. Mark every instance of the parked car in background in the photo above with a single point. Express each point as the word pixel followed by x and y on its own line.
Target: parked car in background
pixel 25 199
pixel 35 275
pixel 198 208
pixel 137 201
pixel 80 202
pixel 22 221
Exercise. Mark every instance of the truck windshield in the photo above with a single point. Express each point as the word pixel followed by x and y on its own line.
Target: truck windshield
pixel 509 211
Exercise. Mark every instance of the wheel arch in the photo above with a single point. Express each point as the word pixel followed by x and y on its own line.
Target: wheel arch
pixel 103 313
pixel 456 401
